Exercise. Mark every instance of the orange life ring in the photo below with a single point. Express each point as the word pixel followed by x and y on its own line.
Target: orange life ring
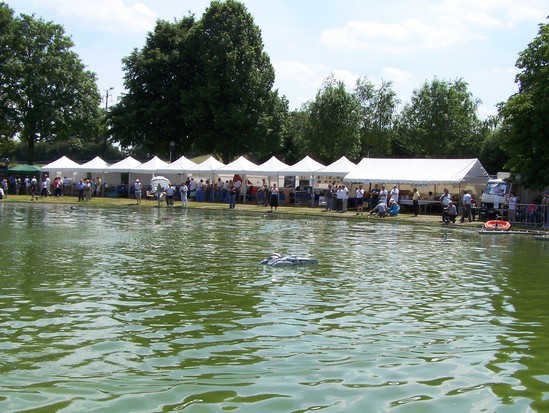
pixel 497 225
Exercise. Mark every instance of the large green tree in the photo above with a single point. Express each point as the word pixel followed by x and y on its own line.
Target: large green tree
pixel 206 85
pixel 47 94
pixel 235 109
pixel 379 113
pixel 441 121
pixel 526 115
pixel 333 124
pixel 153 112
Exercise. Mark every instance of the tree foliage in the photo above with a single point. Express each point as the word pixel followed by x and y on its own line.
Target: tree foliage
pixel 379 112
pixel 440 121
pixel 333 127
pixel 526 115
pixel 152 113
pixel 46 92
pixel 206 85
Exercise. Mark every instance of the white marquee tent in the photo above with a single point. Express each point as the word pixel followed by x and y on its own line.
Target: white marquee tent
pixel 418 171
pixel 61 166
pixel 239 166
pixel 96 165
pixel 339 168
pixel 272 167
pixel 123 166
pixel 305 167
pixel 208 167
pixel 150 167
pixel 179 166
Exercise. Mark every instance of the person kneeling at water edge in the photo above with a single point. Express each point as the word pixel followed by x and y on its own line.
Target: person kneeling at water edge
pixel 380 209
pixel 394 208
pixel 450 213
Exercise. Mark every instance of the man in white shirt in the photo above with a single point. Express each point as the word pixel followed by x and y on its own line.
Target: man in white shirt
pixel 467 201
pixel 359 199
pixel 394 194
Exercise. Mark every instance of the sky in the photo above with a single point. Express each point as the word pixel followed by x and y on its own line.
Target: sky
pixel 407 42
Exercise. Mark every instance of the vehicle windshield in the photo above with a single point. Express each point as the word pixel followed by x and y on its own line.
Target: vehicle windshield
pixel 496 189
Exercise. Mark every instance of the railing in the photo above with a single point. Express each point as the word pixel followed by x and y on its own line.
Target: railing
pixel 528 215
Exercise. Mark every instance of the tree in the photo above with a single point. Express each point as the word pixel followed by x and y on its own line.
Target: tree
pixel 441 121
pixel 154 111
pixel 333 127
pixel 492 155
pixel 46 92
pixel 205 85
pixel 379 111
pixel 234 109
pixel 525 115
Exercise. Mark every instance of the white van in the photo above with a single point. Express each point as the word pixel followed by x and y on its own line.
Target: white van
pixel 495 193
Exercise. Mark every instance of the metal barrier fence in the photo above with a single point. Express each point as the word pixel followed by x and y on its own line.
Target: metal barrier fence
pixel 528 215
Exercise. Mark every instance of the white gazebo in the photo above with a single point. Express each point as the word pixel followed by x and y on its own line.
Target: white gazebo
pixel 177 168
pixel 240 166
pixel 306 167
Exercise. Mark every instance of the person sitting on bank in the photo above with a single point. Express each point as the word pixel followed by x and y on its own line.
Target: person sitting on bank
pixel 380 209
pixel 449 213
pixel 394 208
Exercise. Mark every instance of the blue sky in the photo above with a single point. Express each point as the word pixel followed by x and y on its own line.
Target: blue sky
pixel 406 42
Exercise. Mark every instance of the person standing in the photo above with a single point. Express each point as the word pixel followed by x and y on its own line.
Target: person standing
pixel 467 203
pixel 329 197
pixel 232 195
pixel 273 199
pixel 445 199
pixel 137 192
pixel 80 187
pixel 344 198
pixel 415 201
pixel 394 193
pixel 87 189
pixel 383 195
pixel 33 188
pixel 183 190
pixel 44 192
pixel 545 210
pixel 374 197
pixel 170 189
pixel 512 206
pixel 359 192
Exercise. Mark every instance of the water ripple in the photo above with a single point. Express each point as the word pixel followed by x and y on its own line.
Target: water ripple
pixel 119 310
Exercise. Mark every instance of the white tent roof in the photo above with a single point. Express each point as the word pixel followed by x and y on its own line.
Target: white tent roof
pixel 180 165
pixel 341 167
pixel 210 165
pixel 151 166
pixel 62 164
pixel 306 166
pixel 95 165
pixel 124 165
pixel 418 171
pixel 238 166
pixel 271 167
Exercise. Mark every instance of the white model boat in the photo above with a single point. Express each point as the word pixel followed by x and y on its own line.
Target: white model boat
pixel 279 260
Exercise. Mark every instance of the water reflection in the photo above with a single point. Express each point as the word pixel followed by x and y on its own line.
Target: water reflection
pixel 152 310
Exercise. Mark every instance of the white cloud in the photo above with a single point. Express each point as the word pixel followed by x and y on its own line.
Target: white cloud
pixel 396 75
pixel 401 37
pixel 490 13
pixel 112 15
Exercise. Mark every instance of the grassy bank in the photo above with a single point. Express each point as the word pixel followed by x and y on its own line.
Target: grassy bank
pixel 431 219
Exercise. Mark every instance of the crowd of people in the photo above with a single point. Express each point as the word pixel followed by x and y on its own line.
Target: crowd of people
pixel 378 200
pixel 30 185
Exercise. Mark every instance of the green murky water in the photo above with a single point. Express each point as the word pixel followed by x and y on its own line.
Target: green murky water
pixel 134 310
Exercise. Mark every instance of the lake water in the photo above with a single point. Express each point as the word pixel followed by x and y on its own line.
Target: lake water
pixel 146 310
